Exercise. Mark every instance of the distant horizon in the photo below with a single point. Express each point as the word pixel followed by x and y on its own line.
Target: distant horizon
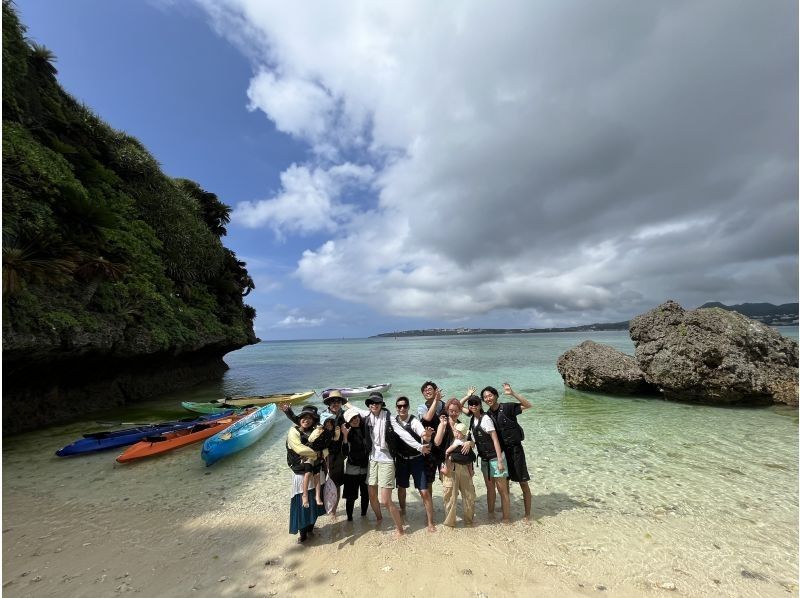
pixel 563 163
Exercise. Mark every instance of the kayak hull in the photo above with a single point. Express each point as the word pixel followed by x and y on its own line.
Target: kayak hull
pixel 169 441
pixel 101 441
pixel 361 391
pixel 248 401
pixel 239 435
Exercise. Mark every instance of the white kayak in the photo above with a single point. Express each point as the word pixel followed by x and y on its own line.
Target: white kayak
pixel 360 391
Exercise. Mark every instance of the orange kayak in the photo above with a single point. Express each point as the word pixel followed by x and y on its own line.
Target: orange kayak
pixel 156 445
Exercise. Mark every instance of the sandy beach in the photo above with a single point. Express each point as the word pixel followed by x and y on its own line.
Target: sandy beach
pixel 89 526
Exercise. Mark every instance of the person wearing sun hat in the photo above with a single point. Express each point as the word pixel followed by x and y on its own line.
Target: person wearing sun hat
pixel 303 509
pixel 382 433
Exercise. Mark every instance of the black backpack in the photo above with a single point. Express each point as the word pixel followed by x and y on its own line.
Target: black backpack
pixel 393 441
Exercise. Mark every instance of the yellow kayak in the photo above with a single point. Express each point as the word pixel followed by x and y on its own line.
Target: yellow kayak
pixel 260 400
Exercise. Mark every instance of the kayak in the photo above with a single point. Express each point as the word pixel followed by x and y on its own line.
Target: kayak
pixel 245 401
pixel 100 441
pixel 204 407
pixel 240 435
pixel 162 443
pixel 360 391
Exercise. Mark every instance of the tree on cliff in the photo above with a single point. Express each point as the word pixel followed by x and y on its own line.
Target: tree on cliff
pixel 102 252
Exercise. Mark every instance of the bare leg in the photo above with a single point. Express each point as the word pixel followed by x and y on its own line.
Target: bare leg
pixel 318 491
pixel 306 482
pixel 505 501
pixel 401 499
pixel 373 501
pixel 526 498
pixel 491 497
pixel 427 501
pixel 386 501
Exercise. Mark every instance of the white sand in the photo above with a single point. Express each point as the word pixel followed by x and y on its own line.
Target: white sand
pixel 169 526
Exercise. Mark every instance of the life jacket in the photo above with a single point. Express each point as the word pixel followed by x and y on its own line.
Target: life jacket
pixel 335 446
pixel 391 439
pixel 483 440
pixel 405 451
pixel 509 432
pixel 293 460
pixel 357 448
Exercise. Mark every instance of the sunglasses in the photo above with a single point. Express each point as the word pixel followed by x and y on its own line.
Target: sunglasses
pixel 402 405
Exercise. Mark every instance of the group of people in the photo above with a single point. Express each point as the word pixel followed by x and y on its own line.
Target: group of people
pixel 367 453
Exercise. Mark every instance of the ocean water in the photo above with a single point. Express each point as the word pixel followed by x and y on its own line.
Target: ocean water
pixel 704 496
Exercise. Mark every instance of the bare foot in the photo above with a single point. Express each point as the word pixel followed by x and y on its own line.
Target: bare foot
pixel 333 517
pixel 398 533
pixel 506 522
pixel 431 528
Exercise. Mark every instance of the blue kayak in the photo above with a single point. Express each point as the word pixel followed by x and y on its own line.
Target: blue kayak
pixel 240 435
pixel 100 441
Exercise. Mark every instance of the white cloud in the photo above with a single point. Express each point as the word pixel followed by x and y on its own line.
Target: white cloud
pixel 553 158
pixel 307 202
pixel 299 322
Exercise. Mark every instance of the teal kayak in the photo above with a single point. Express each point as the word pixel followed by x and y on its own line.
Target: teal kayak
pixel 240 435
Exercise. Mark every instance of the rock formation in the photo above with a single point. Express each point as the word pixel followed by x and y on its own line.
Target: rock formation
pixel 597 367
pixel 702 355
pixel 715 356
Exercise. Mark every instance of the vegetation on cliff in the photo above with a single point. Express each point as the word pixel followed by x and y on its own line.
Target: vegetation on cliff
pixel 103 253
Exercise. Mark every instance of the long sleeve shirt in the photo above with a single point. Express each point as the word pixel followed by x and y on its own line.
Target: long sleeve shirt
pixel 380 451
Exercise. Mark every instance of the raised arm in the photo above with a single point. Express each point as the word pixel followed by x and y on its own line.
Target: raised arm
pixel 287 411
pixel 470 391
pixel 440 430
pixel 523 402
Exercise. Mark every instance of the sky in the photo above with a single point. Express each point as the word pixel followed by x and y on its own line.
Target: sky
pixel 405 165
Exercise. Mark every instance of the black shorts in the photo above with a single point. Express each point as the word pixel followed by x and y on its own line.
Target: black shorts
pixel 352 484
pixel 515 463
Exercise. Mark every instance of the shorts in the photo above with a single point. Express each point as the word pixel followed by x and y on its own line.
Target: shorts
pixel 515 464
pixel 313 468
pixel 381 474
pixel 414 468
pixel 491 466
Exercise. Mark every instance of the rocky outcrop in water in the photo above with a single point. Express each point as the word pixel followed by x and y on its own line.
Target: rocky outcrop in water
pixel 714 356
pixel 702 355
pixel 597 367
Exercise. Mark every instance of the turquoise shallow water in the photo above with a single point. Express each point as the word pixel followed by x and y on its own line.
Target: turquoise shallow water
pixel 637 485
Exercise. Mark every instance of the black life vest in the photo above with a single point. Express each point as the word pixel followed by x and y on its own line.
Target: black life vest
pixel 391 439
pixel 509 432
pixel 483 440
pixel 357 448
pixel 293 460
pixel 403 450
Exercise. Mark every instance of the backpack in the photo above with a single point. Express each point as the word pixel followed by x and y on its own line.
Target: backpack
pixel 404 450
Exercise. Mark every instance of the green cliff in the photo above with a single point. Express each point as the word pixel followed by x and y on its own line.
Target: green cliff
pixel 116 284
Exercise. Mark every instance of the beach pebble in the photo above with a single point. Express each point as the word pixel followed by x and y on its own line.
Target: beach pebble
pixel 387 567
pixel 550 564
pixel 334 571
pixel 37 578
pixel 124 587
pixel 251 586
pixel 224 577
pixel 667 585
pixel 602 588
pixel 466 571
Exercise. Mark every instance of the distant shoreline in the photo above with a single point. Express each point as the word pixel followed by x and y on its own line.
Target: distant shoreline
pixel 476 331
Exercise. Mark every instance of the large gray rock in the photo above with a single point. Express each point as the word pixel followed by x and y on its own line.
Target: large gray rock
pixel 714 356
pixel 597 367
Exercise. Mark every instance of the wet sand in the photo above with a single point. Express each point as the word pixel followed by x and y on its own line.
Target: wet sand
pixel 169 526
